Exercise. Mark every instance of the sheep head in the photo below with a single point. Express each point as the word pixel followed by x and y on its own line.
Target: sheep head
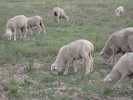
pixel 109 81
pixel 55 68
pixel 8 35
pixel 104 57
pixel 65 17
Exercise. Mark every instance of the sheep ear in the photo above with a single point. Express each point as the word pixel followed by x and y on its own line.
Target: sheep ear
pixel 109 80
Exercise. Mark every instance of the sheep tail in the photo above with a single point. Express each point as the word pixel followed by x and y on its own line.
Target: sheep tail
pixel 41 24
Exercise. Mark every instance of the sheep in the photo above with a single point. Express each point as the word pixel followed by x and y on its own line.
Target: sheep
pixel 17 22
pixel 119 11
pixel 122 70
pixel 118 42
pixel 59 13
pixel 35 21
pixel 80 49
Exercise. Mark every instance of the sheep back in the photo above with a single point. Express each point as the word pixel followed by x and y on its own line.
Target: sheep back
pixel 16 22
pixel 32 21
pixel 75 49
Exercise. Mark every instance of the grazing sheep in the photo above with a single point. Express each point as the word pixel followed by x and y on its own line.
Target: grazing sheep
pixel 17 22
pixel 59 13
pixel 35 21
pixel 119 42
pixel 122 70
pixel 119 11
pixel 80 49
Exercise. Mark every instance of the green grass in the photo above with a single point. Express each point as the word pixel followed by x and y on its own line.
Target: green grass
pixel 30 59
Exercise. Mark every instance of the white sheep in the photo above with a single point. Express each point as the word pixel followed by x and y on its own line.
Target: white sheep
pixel 122 70
pixel 17 22
pixel 35 21
pixel 59 13
pixel 118 42
pixel 119 11
pixel 80 49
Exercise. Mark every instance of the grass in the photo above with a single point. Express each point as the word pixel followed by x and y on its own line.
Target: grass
pixel 30 59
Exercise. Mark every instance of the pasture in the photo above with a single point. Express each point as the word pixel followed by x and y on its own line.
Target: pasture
pixel 25 63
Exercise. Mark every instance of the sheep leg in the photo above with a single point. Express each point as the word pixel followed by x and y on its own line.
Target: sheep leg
pixel 69 62
pixel 130 83
pixel 88 64
pixel 91 69
pixel 130 90
pixel 130 80
pixel 31 33
pixel 10 37
pixel 113 60
pixel 43 27
pixel 22 32
pixel 39 29
pixel 25 31
pixel 87 59
pixel 15 35
pixel 123 77
pixel 75 68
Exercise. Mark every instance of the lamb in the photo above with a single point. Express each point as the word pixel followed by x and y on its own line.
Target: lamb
pixel 80 49
pixel 122 70
pixel 119 42
pixel 17 22
pixel 35 21
pixel 119 11
pixel 59 13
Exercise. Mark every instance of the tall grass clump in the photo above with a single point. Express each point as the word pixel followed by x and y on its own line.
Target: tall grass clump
pixel 49 78
pixel 11 86
pixel 30 66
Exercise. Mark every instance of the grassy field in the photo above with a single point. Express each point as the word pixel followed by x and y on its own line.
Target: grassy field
pixel 25 64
